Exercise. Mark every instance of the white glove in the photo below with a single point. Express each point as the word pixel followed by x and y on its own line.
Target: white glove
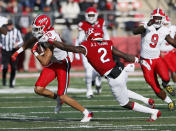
pixel 77 56
pixel 144 63
pixel 129 68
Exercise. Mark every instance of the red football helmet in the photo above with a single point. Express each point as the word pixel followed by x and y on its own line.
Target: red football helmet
pixel 91 15
pixel 95 35
pixel 158 15
pixel 40 25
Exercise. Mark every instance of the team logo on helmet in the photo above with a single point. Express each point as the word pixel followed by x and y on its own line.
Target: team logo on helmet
pixel 40 25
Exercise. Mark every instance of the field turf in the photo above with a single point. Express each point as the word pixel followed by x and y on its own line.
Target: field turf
pixel 30 112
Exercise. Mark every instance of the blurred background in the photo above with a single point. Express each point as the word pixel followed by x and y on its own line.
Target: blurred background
pixel 121 17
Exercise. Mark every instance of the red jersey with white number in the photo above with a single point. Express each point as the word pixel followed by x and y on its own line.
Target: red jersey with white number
pixel 87 27
pixel 99 55
pixel 152 40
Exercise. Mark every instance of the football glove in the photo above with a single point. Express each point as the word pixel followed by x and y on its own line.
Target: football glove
pixel 144 63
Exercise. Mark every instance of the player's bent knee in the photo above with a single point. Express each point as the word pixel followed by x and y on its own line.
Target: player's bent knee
pixel 129 105
pixel 39 90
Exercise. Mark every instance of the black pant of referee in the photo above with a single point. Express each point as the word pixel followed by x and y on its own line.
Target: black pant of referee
pixel 6 59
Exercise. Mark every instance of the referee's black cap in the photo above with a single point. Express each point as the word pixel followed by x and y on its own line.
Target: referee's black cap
pixel 10 22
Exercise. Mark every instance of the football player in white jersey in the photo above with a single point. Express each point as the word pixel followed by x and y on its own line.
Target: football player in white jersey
pixel 56 63
pixel 153 34
pixel 168 52
pixel 86 27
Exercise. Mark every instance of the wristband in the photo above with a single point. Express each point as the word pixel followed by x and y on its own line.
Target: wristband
pixel 20 50
pixel 36 54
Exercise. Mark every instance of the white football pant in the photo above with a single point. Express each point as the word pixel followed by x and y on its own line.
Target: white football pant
pixel 91 75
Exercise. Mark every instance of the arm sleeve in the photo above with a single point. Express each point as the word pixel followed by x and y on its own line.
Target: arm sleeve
pixel 81 38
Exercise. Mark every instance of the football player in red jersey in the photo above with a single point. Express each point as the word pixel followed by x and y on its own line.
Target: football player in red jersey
pixel 153 33
pixel 85 27
pixel 99 54
pixel 56 63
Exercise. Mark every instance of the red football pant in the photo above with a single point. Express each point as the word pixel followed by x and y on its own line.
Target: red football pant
pixel 159 67
pixel 59 70
pixel 170 60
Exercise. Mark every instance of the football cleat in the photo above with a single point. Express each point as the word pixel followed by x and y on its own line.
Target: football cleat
pixel 154 116
pixel 98 90
pixel 170 90
pixel 171 106
pixel 57 108
pixel 87 117
pixel 151 103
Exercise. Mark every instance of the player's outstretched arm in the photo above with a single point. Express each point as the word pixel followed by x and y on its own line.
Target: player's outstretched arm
pixel 66 47
pixel 171 41
pixel 141 29
pixel 125 56
pixel 24 47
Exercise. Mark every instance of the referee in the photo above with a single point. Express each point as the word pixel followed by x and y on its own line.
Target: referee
pixel 9 43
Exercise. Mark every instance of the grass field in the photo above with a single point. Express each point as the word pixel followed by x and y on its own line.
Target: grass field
pixel 30 112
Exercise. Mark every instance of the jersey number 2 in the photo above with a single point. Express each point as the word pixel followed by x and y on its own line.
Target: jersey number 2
pixel 154 40
pixel 102 58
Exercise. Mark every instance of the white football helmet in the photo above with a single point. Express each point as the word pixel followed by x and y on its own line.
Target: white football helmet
pixel 159 16
pixel 91 15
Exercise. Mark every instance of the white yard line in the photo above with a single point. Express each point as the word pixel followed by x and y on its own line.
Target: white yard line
pixel 72 74
pixel 65 106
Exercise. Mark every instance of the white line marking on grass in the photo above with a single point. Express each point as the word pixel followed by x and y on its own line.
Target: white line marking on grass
pixel 88 125
pixel 68 106
pixel 26 89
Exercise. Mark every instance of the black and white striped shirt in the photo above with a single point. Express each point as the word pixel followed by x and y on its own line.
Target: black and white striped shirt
pixel 12 40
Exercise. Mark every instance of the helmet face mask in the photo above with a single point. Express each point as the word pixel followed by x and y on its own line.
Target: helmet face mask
pixel 40 25
pixel 37 31
pixel 91 15
pixel 158 21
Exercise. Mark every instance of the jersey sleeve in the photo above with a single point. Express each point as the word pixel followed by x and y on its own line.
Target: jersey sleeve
pixel 110 43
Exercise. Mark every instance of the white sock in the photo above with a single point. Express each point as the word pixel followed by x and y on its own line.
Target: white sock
pixel 85 112
pixel 136 96
pixel 168 99
pixel 140 108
